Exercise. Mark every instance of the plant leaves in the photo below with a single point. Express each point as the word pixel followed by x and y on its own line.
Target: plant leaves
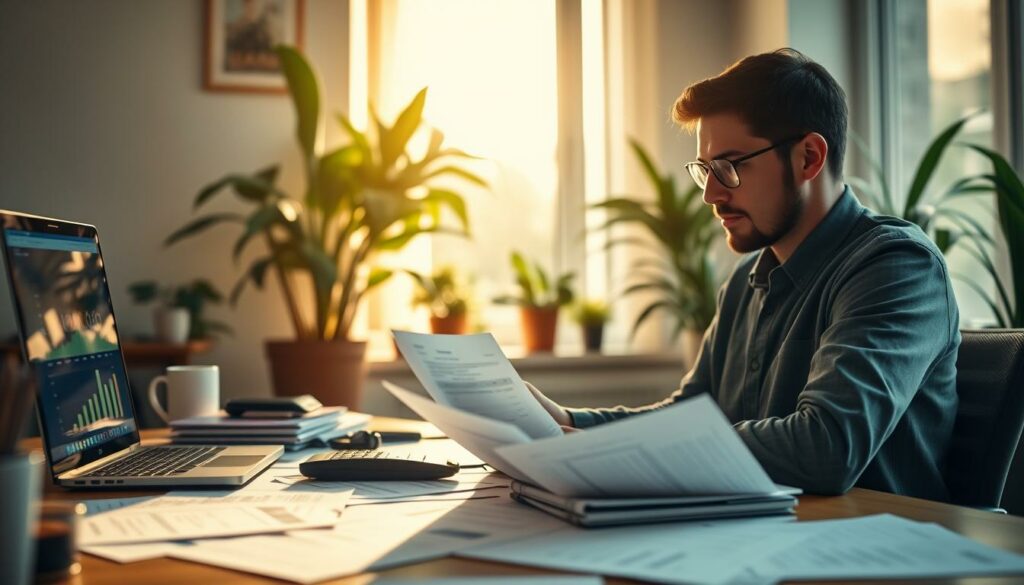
pixel 393 145
pixel 201 223
pixel 305 94
pixel 929 161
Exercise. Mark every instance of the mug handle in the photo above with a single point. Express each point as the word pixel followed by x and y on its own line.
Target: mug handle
pixel 154 401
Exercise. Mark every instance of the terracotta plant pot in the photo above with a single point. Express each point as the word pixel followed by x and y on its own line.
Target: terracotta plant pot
pixel 539 325
pixel 332 371
pixel 453 324
pixel 592 337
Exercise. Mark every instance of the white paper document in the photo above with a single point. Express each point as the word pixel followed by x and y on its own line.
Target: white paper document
pixel 372 538
pixel 709 553
pixel 882 546
pixel 507 580
pixel 686 449
pixel 631 457
pixel 479 435
pixel 148 523
pixel 470 373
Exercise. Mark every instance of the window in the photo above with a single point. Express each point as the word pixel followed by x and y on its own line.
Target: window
pixel 491 69
pixel 941 71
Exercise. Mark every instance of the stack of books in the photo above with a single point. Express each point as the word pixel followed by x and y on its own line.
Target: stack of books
pixel 313 429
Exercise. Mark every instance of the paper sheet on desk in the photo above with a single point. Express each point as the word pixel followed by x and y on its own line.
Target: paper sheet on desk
pixel 711 553
pixel 152 523
pixel 470 373
pixel 685 449
pixel 372 538
pixel 506 580
pixel 881 546
pixel 480 436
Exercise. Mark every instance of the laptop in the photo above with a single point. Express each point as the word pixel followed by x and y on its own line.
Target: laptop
pixel 69 337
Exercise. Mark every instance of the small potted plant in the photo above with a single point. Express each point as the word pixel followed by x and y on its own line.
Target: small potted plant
pixel 178 316
pixel 446 297
pixel 539 301
pixel 592 314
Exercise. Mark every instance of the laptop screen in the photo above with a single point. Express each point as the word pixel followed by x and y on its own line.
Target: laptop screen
pixel 67 325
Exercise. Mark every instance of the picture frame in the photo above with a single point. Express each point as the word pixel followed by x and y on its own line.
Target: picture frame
pixel 238 43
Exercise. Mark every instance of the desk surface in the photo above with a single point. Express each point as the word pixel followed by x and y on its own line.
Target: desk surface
pixel 997 530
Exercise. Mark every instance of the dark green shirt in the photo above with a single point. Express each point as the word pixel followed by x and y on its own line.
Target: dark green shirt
pixel 838 367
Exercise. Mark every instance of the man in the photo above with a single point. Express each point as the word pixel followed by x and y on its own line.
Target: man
pixel 834 346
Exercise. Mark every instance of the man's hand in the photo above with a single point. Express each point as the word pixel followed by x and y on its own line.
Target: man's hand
pixel 558 413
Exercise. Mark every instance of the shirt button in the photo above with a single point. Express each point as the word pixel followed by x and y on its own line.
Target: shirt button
pixel 754 365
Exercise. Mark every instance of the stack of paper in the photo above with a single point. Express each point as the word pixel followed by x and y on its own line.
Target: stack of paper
pixel 480 401
pixel 134 529
pixel 315 427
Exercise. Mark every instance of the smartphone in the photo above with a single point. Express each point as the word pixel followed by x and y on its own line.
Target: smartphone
pixel 285 407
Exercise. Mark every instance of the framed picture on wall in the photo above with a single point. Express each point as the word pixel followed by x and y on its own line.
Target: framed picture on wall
pixel 238 43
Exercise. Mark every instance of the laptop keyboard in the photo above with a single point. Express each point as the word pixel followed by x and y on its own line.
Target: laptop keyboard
pixel 157 462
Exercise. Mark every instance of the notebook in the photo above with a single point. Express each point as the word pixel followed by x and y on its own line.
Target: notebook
pixel 596 512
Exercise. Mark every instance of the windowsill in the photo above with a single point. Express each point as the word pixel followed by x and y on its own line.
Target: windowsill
pixel 567 362
pixel 596 380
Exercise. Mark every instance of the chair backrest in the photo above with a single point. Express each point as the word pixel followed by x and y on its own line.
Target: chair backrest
pixel 989 419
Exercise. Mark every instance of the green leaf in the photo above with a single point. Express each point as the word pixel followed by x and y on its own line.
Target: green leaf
pixel 200 224
pixel 393 144
pixel 260 189
pixel 256 273
pixel 525 277
pixel 257 223
pixel 358 138
pixel 397 242
pixel 457 171
pixel 305 93
pixel 336 178
pixel 929 161
pixel 645 162
pixel 378 276
pixel 453 201
pixel 1010 203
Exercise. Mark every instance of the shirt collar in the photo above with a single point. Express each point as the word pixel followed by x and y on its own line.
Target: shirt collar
pixel 817 247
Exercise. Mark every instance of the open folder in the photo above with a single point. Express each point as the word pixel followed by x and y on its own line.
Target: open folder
pixel 476 398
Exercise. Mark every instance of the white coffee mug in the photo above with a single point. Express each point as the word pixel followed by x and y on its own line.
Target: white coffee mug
pixel 191 391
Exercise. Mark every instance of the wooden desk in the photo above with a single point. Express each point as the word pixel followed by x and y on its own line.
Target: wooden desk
pixel 997 530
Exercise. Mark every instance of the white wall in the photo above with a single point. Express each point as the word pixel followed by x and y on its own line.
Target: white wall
pixel 103 120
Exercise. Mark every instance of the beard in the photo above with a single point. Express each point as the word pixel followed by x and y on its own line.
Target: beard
pixel 758 238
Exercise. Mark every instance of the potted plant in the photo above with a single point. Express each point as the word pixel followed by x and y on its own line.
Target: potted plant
pixel 927 207
pixel 447 299
pixel 591 315
pixel 683 230
pixel 179 314
pixel 539 301
pixel 363 198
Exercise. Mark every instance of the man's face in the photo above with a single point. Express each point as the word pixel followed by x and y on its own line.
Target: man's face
pixel 766 205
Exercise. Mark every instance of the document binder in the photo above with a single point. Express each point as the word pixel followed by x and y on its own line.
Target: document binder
pixel 597 512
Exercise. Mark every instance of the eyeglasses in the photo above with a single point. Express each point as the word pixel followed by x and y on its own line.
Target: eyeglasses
pixel 725 168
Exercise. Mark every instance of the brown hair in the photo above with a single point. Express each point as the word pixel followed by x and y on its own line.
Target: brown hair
pixel 778 95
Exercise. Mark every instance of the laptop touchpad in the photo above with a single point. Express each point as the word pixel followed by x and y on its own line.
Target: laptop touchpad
pixel 233 461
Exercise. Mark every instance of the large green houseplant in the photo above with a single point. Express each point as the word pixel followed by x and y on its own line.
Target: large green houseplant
pixel 929 207
pixel 368 196
pixel 682 232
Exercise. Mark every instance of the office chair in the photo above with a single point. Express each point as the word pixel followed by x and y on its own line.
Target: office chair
pixel 989 419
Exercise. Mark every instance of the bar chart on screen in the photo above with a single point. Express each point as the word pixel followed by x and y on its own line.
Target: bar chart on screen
pixel 100 409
